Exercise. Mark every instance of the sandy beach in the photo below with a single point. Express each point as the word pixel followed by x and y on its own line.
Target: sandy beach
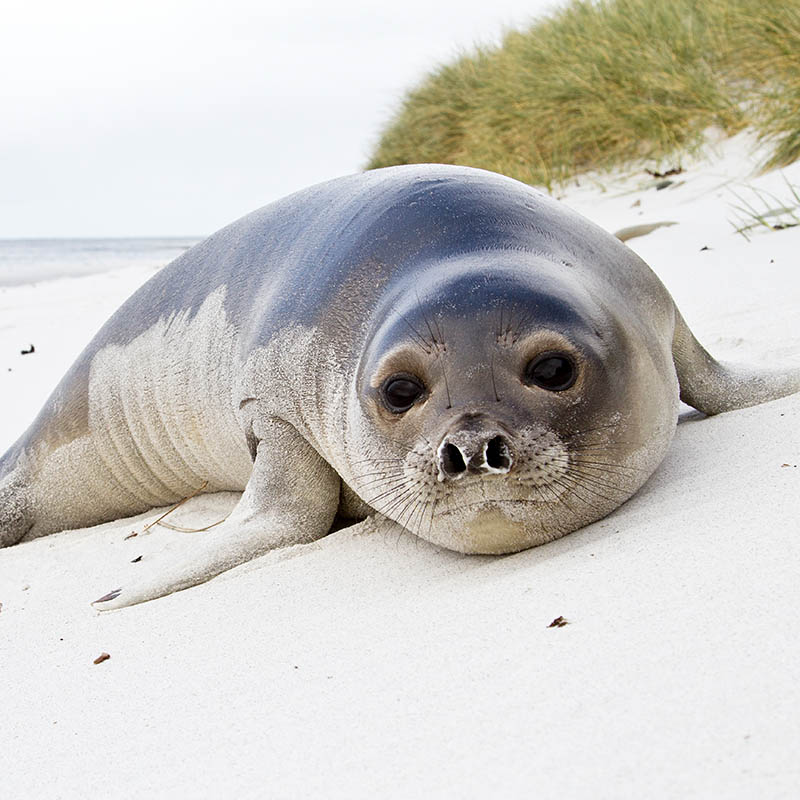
pixel 373 664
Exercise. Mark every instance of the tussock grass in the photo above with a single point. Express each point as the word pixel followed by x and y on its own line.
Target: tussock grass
pixel 601 83
pixel 768 38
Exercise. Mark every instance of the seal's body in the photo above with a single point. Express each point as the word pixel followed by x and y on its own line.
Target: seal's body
pixel 441 345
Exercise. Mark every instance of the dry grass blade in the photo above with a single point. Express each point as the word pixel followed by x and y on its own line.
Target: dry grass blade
pixel 192 530
pixel 767 210
pixel 177 505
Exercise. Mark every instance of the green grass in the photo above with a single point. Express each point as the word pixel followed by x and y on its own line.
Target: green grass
pixel 599 84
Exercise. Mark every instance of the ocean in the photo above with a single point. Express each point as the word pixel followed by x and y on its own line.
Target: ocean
pixel 35 260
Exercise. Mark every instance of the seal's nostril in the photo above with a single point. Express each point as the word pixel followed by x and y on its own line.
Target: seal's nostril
pixel 452 460
pixel 497 453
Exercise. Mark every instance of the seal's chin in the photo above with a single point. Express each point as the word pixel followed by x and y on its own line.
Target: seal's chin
pixel 487 530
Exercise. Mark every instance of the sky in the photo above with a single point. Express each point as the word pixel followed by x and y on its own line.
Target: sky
pixel 176 117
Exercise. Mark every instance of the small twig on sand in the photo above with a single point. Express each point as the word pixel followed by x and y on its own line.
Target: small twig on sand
pixel 177 505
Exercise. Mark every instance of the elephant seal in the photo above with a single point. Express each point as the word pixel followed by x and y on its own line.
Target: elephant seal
pixel 439 345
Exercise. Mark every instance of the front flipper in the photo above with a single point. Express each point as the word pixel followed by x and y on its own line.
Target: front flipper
pixel 713 387
pixel 16 506
pixel 291 498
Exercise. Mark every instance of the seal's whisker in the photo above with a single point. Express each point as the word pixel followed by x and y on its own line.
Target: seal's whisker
pixel 426 346
pixel 390 470
pixel 494 382
pixel 600 473
pixel 600 467
pixel 393 483
pixel 584 431
pixel 425 320
pixel 590 480
pixel 617 444
pixel 404 445
pixel 573 489
pixel 547 505
pixel 378 482
pixel 446 384
pixel 440 332
pixel 393 496
pixel 402 503
pixel 608 465
pixel 433 514
pixel 387 525
pixel 382 464
pixel 418 512
pixel 398 490
pixel 411 513
pixel 403 514
pixel 589 486
pixel 523 319
pixel 601 441
pixel 415 488
pixel 393 460
pixel 559 498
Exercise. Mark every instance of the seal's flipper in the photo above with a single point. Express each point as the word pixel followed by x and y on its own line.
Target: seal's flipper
pixel 713 387
pixel 232 543
pixel 291 498
pixel 16 508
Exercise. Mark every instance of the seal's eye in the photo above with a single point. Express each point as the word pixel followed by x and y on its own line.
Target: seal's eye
pixel 552 371
pixel 400 392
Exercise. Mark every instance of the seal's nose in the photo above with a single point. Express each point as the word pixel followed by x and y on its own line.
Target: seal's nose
pixel 465 451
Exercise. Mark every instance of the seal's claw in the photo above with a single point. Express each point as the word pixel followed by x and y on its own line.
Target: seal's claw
pixel 107 598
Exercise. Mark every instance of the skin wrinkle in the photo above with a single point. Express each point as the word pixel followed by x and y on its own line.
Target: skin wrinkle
pixel 106 412
pixel 136 410
pixel 184 381
pixel 157 449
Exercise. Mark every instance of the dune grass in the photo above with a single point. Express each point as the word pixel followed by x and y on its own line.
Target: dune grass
pixel 757 209
pixel 597 84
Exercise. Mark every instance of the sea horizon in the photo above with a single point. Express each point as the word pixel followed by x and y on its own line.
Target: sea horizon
pixel 26 260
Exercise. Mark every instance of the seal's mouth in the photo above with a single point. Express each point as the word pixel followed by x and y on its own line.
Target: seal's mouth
pixel 494 526
pixel 489 529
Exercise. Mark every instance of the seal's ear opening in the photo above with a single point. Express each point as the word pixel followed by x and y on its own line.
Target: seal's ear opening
pixel 713 387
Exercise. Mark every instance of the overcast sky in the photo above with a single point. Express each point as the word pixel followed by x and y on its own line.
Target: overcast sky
pixel 177 116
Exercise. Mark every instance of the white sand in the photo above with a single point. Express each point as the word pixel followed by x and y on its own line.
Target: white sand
pixel 372 664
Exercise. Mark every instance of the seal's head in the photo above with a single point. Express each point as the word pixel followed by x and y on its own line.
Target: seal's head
pixel 499 406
